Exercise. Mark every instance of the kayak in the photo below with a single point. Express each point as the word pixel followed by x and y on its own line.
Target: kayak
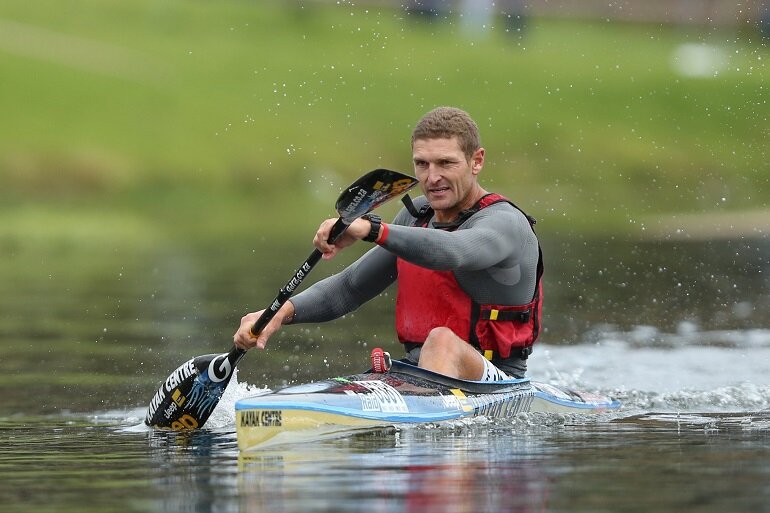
pixel 404 394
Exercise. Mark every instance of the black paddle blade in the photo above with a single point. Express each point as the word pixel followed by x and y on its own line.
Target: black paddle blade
pixel 371 190
pixel 188 396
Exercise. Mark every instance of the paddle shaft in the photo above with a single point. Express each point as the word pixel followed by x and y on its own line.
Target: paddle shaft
pixel 371 190
pixel 299 275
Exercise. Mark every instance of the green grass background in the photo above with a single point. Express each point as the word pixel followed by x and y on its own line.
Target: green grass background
pixel 199 118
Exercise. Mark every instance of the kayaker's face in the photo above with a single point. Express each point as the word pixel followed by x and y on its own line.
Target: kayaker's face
pixel 447 178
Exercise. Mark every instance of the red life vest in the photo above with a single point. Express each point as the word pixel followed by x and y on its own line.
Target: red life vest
pixel 429 299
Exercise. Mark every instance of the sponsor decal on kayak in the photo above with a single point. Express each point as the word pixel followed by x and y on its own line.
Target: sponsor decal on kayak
pixel 261 418
pixel 460 400
pixel 379 396
pixel 504 404
pixel 452 401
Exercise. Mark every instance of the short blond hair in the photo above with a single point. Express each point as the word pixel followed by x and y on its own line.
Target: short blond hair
pixel 448 122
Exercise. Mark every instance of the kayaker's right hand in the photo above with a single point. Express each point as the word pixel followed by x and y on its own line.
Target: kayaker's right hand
pixel 357 230
pixel 245 340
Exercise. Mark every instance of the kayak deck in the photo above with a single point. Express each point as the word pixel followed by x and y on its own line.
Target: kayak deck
pixel 404 395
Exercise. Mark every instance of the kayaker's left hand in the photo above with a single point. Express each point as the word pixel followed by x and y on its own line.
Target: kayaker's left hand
pixel 245 340
pixel 357 230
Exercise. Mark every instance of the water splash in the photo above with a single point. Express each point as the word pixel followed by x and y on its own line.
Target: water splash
pixel 224 413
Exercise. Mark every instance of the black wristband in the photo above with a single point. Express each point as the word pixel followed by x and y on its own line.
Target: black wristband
pixel 376 222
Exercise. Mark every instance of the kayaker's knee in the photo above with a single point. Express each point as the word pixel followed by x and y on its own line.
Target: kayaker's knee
pixel 446 353
pixel 441 339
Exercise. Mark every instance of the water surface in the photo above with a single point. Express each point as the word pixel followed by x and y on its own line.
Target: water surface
pixel 679 332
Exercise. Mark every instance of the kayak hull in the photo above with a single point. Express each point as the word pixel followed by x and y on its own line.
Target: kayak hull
pixel 404 395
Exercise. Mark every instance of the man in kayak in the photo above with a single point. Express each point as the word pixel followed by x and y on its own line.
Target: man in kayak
pixel 467 262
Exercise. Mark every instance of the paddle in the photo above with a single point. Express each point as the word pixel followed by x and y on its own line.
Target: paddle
pixel 187 397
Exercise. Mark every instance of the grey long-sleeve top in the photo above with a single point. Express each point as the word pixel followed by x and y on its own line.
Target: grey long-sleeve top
pixel 493 255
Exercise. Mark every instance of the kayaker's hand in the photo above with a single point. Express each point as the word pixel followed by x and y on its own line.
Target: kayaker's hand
pixel 357 230
pixel 245 340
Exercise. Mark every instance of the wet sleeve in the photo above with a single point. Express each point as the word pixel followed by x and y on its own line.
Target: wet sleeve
pixel 343 293
pixel 491 236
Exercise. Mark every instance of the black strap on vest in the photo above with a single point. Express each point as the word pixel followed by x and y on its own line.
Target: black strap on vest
pixel 425 213
pixel 409 204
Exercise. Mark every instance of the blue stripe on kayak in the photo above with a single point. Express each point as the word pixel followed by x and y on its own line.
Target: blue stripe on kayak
pixel 349 412
pixel 575 404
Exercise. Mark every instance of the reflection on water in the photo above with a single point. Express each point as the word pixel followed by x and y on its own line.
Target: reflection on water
pixel 571 467
pixel 538 462
pixel 430 469
pixel 679 332
pixel 193 471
